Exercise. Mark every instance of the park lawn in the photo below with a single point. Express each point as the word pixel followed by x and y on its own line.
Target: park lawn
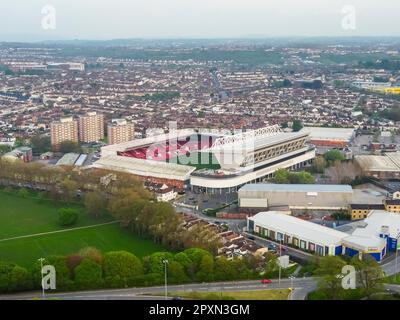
pixel 273 294
pixel 26 251
pixel 23 216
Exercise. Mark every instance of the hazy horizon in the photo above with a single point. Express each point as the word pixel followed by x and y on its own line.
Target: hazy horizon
pixel 197 19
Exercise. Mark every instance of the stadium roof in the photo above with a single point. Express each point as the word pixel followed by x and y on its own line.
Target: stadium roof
pixel 259 142
pixel 305 230
pixel 296 187
pixel 146 168
pixel 321 133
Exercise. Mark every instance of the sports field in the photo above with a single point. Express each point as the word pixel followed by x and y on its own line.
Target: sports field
pixel 26 217
pixel 200 160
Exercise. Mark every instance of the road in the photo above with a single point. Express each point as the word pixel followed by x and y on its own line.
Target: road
pixel 302 287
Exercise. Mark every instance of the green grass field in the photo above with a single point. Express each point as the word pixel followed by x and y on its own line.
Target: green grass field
pixel 22 216
pixel 25 216
pixel 200 160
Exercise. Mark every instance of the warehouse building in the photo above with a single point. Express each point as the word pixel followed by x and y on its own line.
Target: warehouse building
pixel 386 166
pixel 383 224
pixel 330 137
pixel 295 196
pixel 314 238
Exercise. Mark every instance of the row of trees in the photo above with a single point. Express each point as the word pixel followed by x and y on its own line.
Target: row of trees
pixel 160 222
pixel 62 182
pixel 90 269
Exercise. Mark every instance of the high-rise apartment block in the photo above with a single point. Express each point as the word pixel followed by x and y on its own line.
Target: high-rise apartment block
pixel 64 130
pixel 91 127
pixel 119 130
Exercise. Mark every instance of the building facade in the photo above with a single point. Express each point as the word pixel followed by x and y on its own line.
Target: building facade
pixel 295 197
pixel 91 127
pixel 64 130
pixel 119 131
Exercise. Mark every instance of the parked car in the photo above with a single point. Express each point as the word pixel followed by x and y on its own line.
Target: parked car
pixel 266 281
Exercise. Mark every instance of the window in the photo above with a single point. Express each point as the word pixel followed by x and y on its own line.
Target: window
pixel 320 250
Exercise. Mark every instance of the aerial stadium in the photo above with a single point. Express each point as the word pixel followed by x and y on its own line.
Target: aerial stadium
pixel 209 162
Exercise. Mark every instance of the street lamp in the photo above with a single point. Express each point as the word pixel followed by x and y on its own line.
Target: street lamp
pixel 280 260
pixel 41 274
pixel 395 268
pixel 291 286
pixel 165 262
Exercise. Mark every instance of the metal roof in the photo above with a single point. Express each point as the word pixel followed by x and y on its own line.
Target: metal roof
pixel 147 168
pixel 299 228
pixel 321 133
pixel 265 187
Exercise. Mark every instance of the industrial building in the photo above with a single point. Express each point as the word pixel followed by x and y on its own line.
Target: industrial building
pixel 295 196
pixel 330 137
pixel 321 240
pixel 386 166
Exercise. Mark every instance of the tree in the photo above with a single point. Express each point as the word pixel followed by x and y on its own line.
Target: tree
pixel 19 142
pixel 20 279
pixel 69 146
pixel 88 275
pixel 319 164
pixel 370 274
pixel 297 125
pixel 224 269
pixel 332 156
pixel 154 263
pixel 68 188
pixel 281 176
pixel 5 148
pixel 271 263
pixel 177 273
pixel 95 203
pixel 330 267
pixel 92 254
pixel 301 177
pixel 40 144
pixel 121 265
pixel 63 273
pixel 14 278
pixel 206 269
pixel 67 216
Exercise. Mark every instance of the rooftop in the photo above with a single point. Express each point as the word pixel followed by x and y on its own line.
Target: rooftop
pixel 379 163
pixel 145 167
pixel 322 133
pixel 303 229
pixel 296 187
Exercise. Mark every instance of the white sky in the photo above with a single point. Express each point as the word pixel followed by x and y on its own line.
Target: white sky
pixel 105 19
